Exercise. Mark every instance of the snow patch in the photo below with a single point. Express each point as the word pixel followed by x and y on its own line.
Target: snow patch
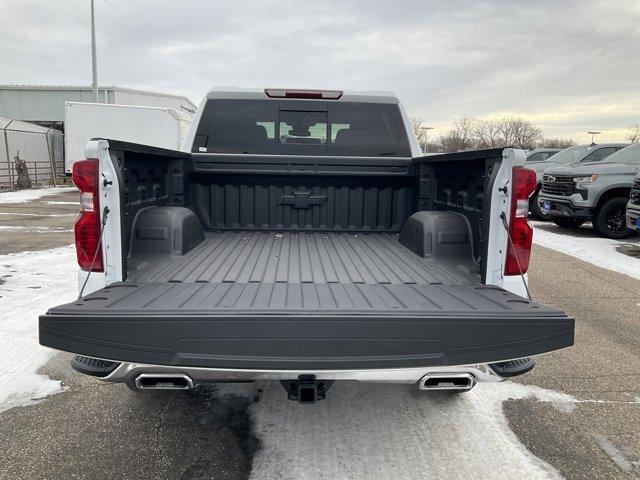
pixel 31 282
pixel 595 250
pixel 23 214
pixel 24 196
pixel 364 431
pixel 33 229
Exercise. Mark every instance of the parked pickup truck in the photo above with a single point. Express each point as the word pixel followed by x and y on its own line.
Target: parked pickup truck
pixel 633 207
pixel 302 237
pixel 574 194
pixel 576 154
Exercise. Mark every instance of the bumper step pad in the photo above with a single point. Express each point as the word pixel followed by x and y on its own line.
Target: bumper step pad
pixel 93 366
pixel 513 368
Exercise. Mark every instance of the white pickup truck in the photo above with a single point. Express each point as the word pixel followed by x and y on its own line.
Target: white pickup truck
pixel 302 236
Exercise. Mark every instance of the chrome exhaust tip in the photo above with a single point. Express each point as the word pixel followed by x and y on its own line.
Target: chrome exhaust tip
pixel 163 381
pixel 447 381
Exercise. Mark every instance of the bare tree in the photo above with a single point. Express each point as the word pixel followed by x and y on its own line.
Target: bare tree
pixel 464 129
pixel 487 133
pixel 417 125
pixel 432 147
pixel 634 133
pixel 460 137
pixel 525 134
pixel 556 143
pixel 421 131
pixel 470 133
pixel 518 132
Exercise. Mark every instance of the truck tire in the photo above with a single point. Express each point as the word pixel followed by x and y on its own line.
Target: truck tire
pixel 609 221
pixel 534 208
pixel 569 223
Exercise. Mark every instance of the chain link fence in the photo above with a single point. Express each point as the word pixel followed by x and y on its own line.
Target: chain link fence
pixel 30 156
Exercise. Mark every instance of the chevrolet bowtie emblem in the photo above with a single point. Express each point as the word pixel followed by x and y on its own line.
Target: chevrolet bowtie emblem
pixel 302 199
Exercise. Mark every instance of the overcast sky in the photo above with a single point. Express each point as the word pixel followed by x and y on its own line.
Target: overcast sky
pixel 568 66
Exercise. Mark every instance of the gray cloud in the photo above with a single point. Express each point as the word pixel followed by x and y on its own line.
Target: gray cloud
pixel 570 66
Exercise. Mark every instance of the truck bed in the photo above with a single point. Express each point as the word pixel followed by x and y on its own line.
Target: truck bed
pixel 300 257
pixel 303 300
pixel 314 272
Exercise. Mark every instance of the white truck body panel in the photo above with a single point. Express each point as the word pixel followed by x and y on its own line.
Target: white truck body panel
pixel 498 237
pixel 111 236
pixel 158 127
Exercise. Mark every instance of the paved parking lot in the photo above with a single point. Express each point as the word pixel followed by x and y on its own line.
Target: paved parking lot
pixel 38 225
pixel 576 415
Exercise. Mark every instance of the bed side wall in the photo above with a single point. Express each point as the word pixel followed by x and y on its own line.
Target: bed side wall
pixel 459 185
pixel 259 192
pixel 229 202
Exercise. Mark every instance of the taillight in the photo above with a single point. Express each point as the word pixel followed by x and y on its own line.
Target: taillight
pixel 309 94
pixel 520 230
pixel 87 229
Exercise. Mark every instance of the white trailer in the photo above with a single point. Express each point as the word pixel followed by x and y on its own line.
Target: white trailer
pixel 158 127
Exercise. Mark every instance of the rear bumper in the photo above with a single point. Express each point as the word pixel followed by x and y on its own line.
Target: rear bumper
pixel 564 207
pixel 128 372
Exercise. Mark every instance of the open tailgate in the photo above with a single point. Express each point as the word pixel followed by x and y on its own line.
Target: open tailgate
pixel 304 326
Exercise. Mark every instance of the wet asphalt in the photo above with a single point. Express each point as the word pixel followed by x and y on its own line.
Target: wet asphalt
pixel 98 431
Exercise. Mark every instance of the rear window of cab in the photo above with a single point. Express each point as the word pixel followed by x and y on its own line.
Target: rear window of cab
pixel 301 128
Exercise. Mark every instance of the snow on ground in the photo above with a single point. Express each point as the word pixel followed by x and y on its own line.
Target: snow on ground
pixel 361 431
pixel 388 431
pixel 595 250
pixel 23 196
pixel 24 214
pixel 30 282
pixel 33 229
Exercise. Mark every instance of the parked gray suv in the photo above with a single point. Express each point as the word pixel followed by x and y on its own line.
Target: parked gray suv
pixel 633 207
pixel 577 154
pixel 541 154
pixel 597 191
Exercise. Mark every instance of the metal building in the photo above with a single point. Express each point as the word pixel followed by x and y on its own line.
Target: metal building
pixel 39 151
pixel 44 104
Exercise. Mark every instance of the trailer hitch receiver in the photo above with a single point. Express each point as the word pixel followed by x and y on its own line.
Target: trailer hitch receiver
pixel 306 389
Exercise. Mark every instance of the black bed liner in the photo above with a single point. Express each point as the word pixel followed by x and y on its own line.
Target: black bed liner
pixel 264 300
pixel 300 257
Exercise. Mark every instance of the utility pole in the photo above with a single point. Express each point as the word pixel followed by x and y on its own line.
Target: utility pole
pixel 94 68
pixel 594 136
pixel 425 140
